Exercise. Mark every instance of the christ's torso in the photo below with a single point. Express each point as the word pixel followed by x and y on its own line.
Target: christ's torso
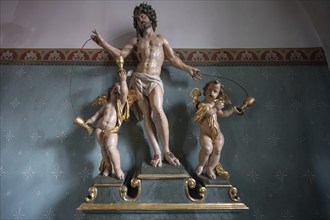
pixel 150 54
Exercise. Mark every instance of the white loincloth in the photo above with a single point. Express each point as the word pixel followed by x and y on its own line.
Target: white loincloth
pixel 145 83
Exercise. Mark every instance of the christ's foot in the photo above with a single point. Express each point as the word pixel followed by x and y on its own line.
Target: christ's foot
pixel 171 159
pixel 156 161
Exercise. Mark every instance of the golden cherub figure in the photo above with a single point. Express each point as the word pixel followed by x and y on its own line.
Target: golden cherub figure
pixel 211 139
pixel 114 111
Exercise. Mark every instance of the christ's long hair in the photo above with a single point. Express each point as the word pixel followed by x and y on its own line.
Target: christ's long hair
pixel 149 11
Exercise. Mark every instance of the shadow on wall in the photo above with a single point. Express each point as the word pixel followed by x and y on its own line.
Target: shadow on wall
pixel 183 139
pixel 75 156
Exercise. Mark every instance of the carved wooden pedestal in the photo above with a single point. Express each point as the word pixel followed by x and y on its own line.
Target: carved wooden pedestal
pixel 161 193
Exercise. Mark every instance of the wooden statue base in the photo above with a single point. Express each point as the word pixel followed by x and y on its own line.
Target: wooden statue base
pixel 167 192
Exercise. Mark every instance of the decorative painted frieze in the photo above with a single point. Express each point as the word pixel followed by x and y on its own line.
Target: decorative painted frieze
pixel 242 56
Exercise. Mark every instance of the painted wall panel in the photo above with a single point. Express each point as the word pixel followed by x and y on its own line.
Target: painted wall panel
pixel 277 153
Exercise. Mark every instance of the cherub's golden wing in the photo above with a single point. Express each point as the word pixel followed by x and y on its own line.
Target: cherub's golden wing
pixel 194 94
pixel 100 100
pixel 133 96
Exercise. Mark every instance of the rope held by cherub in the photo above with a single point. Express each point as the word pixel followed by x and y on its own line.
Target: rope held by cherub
pixel 225 78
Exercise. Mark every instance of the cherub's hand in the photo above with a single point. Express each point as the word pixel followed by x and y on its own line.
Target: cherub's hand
pixel 195 74
pixel 96 37
pixel 219 105
pixel 238 110
pixel 122 74
pixel 89 122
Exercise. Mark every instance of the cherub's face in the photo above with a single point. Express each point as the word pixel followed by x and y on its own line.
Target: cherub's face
pixel 115 91
pixel 212 92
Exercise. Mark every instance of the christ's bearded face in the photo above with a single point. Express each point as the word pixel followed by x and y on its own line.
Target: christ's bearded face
pixel 143 22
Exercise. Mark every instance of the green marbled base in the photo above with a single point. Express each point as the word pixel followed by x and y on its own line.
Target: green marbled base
pixel 167 192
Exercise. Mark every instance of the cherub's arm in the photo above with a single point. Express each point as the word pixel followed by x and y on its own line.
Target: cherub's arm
pixel 96 116
pixel 123 86
pixel 228 112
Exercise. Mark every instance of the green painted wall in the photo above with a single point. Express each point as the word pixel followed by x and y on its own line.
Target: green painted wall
pixel 277 153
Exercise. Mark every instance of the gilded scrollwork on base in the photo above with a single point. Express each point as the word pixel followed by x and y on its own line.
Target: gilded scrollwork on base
pixel 233 194
pixel 190 183
pixel 135 183
pixel 92 194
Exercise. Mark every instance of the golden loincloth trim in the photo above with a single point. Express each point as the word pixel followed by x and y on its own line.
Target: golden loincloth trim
pixel 108 132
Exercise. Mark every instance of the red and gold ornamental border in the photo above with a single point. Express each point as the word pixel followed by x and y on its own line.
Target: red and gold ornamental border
pixel 210 57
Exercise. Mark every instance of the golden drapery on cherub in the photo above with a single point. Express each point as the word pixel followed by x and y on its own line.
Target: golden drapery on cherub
pixel 123 113
pixel 211 139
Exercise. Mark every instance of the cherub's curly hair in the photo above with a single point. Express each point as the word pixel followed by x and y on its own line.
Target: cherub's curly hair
pixel 149 11
pixel 214 82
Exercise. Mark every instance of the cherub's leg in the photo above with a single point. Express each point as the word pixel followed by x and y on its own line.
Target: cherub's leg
pixel 205 152
pixel 111 146
pixel 105 157
pixel 150 129
pixel 215 156
pixel 156 103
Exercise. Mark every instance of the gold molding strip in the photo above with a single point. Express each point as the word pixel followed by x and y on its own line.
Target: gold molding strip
pixel 162 176
pixel 217 186
pixel 162 207
pixel 221 56
pixel 108 184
